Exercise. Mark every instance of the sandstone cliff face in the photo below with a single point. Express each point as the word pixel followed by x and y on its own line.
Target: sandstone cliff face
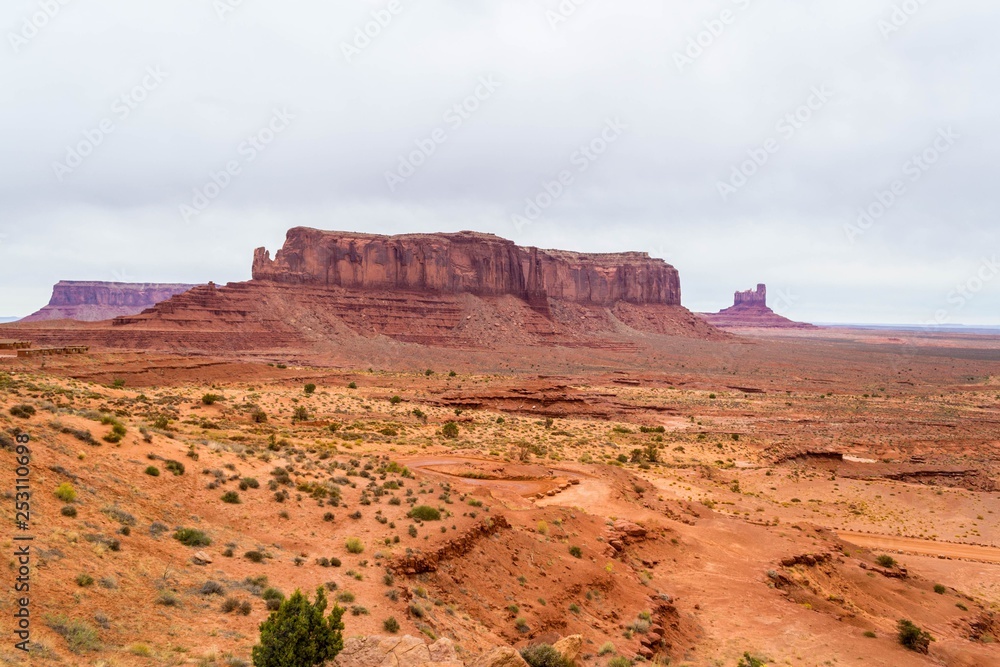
pixel 354 295
pixel 466 262
pixel 757 297
pixel 93 301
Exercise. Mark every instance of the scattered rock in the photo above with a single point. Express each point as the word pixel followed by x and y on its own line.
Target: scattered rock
pixel 201 558
pixel 807 559
pixel 443 651
pixel 569 648
pixel 406 651
pixel 503 656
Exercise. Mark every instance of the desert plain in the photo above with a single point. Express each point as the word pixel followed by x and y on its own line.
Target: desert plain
pixel 784 495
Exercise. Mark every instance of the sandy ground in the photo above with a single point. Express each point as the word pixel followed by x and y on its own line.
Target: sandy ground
pixel 720 487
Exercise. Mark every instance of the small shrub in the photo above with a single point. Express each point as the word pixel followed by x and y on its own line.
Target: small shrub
pixel 211 399
pixel 80 636
pixel 390 625
pixel 543 655
pixel 310 388
pixel 352 385
pixel 317 638
pixel 913 637
pixel 176 467
pixel 167 599
pixel 886 560
pixel 212 588
pixel 425 513
pixel 254 556
pixel 84 580
pixel 619 661
pixel 576 552
pixel 450 430
pixel 140 650
pixel 272 593
pixel 354 545
pixel 22 411
pixel 192 537
pixel 607 648
pixel 69 511
pixel 395 400
pixel 939 589
pixel 231 497
pixel 750 661
pixel 152 471
pixel 65 492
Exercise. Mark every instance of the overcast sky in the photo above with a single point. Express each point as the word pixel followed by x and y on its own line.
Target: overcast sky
pixel 117 114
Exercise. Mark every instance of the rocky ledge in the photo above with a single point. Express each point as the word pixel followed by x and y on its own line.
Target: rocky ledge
pixel 407 651
pixel 467 263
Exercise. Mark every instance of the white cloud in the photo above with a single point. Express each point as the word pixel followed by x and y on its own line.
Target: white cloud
pixel 656 190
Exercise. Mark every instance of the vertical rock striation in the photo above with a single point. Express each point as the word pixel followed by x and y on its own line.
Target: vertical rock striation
pixel 467 262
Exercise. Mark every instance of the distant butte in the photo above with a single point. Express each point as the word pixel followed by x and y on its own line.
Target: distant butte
pixel 92 301
pixel 750 310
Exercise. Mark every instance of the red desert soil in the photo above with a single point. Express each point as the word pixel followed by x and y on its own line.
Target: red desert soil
pixel 725 492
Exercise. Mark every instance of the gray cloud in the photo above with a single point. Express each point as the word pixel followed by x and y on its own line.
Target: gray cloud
pixel 656 188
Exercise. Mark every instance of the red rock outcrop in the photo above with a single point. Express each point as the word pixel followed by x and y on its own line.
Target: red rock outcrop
pixel 347 296
pixel 750 310
pixel 420 563
pixel 467 262
pixel 94 301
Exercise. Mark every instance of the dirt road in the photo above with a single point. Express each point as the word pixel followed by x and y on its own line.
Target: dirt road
pixel 912 545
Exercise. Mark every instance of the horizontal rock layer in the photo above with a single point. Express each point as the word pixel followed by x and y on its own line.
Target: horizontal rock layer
pixel 91 301
pixel 467 262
